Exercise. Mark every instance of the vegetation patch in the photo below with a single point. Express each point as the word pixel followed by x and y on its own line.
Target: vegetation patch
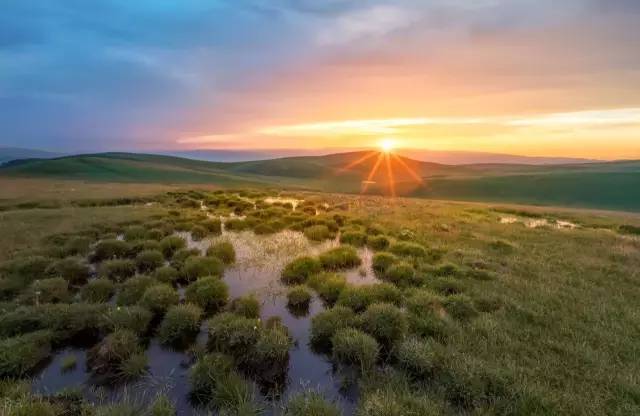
pixel 224 251
pixel 340 258
pixel 352 346
pixel 197 266
pixel 180 325
pixel 209 293
pixel 300 269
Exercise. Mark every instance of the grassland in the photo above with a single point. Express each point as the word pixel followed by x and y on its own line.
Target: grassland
pixel 503 318
pixel 595 185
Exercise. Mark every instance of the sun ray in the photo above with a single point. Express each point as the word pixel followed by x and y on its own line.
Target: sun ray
pixel 372 173
pixel 392 185
pixel 408 169
pixel 358 161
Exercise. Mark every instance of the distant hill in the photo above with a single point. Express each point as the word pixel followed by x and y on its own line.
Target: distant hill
pixel 8 154
pixel 606 185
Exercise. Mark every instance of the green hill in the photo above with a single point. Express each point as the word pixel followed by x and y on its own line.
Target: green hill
pixel 611 185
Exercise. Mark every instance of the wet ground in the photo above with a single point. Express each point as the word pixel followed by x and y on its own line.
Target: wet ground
pixel 259 261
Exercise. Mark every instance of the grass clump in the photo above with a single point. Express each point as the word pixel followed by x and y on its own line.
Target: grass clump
pixel 299 270
pixel 212 225
pixel 224 251
pixel 132 290
pixel 401 274
pixel 170 244
pixel 446 285
pixel 340 258
pixel 53 290
pixel 310 403
pixel 180 256
pixel 353 238
pixel 133 366
pixel 328 286
pixel 460 307
pixel 325 324
pixel 72 269
pixel 158 298
pixel 198 232
pixel 117 270
pixel 166 274
pixel 378 242
pixel 149 260
pixel 298 296
pixel 319 232
pixel 197 266
pixel 98 291
pixel 352 346
pixel 206 372
pixel 247 306
pixel 382 261
pixel 209 293
pixel 107 357
pixel 180 325
pixel 76 246
pixel 110 249
pixel 21 354
pixel 358 298
pixel 135 232
pixel 162 406
pixel 386 323
pixel 407 249
pixel 132 318
pixel 233 334
pixel 416 358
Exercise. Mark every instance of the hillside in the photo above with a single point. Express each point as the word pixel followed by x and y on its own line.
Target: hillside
pixel 610 185
pixel 8 154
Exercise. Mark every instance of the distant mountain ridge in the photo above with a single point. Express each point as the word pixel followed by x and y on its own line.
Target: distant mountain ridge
pixel 606 185
pixel 8 154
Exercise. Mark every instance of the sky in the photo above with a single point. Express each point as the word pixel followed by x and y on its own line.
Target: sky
pixel 530 77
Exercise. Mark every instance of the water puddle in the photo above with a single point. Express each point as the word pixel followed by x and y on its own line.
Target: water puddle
pixel 259 262
pixel 538 222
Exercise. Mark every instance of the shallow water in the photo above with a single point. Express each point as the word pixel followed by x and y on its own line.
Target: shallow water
pixel 259 262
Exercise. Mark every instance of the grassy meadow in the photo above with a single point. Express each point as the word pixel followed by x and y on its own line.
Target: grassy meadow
pixel 413 306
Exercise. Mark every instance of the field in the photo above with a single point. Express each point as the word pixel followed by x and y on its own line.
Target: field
pixel 611 185
pixel 136 299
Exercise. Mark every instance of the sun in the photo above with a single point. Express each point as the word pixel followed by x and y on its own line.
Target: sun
pixel 387 145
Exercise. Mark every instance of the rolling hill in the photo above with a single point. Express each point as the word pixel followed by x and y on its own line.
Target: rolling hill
pixel 607 185
pixel 7 154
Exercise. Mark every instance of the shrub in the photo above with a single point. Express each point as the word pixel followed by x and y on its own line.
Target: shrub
pixel 310 403
pixel 378 242
pixel 110 249
pixel 198 232
pixel 318 232
pixel 180 324
pixel 132 290
pixel 170 244
pixel 299 270
pixel 328 285
pixel 20 355
pixel 210 293
pixel 247 306
pixel 233 334
pixel 325 324
pixel 213 226
pixel 149 260
pixel 298 296
pixel 47 291
pixel 196 266
pixel 204 374
pixel 135 232
pixel 460 307
pixel 98 291
pixel 224 251
pixel 166 274
pixel 108 356
pixel 401 274
pixel 352 346
pixel 354 238
pixel 76 246
pixel 340 258
pixel 117 270
pixel 159 298
pixel 386 323
pixel 133 318
pixel 382 261
pixel 73 269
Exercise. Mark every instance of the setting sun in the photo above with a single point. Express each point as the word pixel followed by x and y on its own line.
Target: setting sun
pixel 387 145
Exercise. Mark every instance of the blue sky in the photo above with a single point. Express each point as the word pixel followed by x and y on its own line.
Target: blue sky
pixel 79 75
